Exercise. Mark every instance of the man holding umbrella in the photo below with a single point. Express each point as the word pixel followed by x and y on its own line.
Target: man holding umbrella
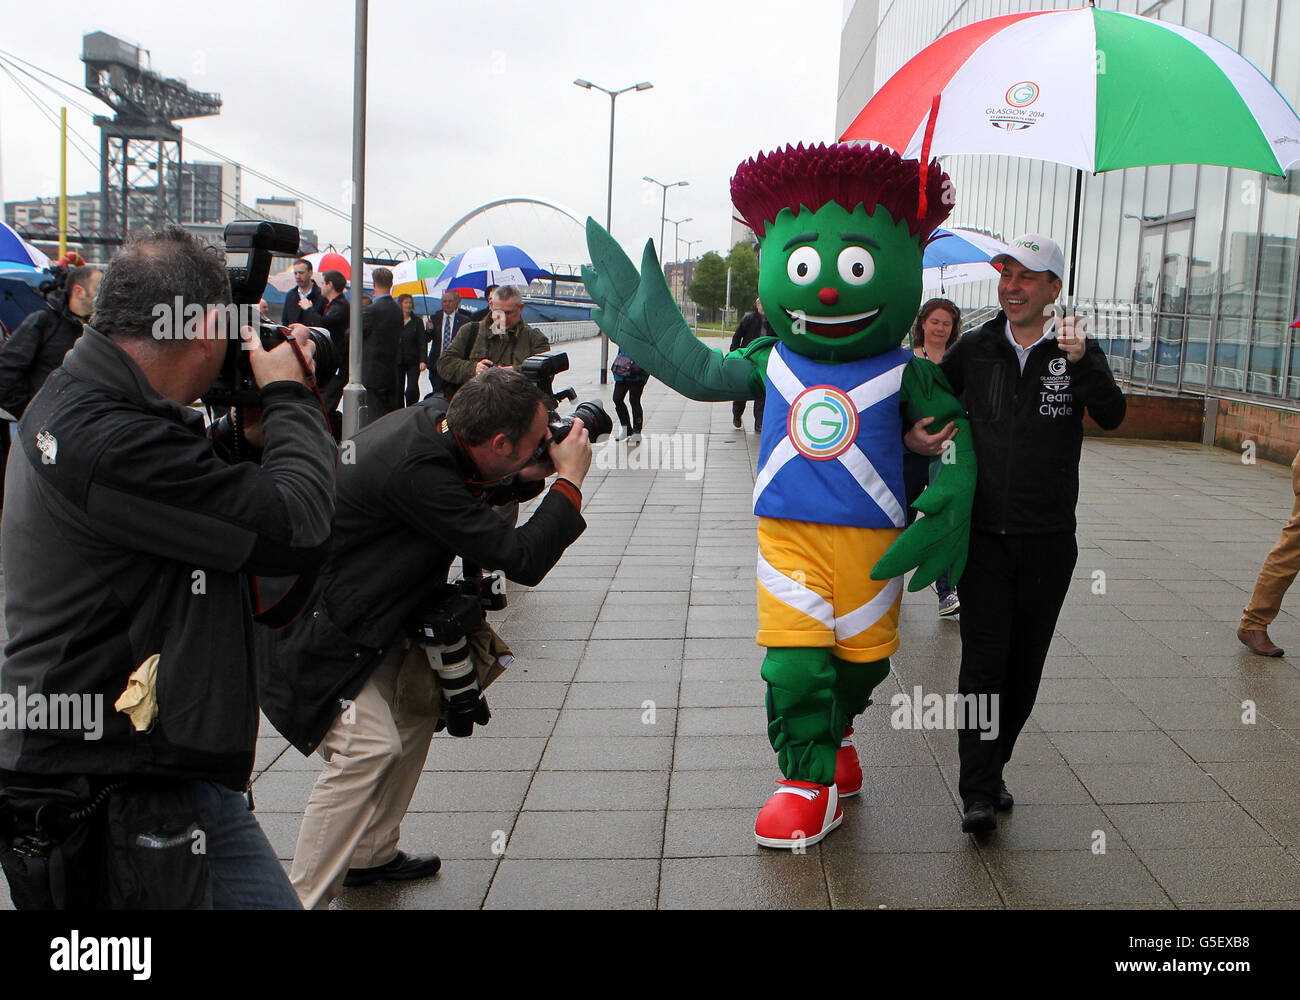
pixel 1026 383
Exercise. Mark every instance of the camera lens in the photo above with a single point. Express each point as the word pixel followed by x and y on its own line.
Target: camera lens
pixel 598 422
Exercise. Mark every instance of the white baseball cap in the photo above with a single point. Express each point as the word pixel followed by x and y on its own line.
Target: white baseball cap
pixel 1036 252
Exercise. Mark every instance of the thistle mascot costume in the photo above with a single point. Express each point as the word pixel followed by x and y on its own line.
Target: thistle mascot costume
pixel 841 230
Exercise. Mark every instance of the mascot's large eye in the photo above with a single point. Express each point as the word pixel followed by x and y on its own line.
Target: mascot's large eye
pixel 804 265
pixel 856 265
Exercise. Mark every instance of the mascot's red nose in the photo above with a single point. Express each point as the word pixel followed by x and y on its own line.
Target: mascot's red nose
pixel 828 296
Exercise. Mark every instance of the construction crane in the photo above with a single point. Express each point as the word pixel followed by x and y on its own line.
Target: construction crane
pixel 141 175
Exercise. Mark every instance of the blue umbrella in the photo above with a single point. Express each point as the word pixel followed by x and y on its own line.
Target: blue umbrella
pixel 15 249
pixel 954 256
pixel 19 293
pixel 495 264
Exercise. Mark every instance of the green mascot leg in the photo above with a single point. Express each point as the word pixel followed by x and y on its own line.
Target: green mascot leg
pixel 854 683
pixel 801 711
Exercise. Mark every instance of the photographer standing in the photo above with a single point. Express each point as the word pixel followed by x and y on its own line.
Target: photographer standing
pixel 416 497
pixel 500 340
pixel 127 545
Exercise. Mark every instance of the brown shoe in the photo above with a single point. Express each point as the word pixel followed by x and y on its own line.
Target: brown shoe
pixel 1257 641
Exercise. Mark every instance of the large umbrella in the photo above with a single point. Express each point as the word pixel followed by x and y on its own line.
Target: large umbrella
pixel 495 264
pixel 16 250
pixel 1094 89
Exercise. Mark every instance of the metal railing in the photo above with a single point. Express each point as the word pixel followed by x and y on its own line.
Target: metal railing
pixel 563 333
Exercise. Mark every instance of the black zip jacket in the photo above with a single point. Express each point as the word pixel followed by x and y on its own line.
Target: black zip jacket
pixel 407 507
pixel 34 350
pixel 125 535
pixel 1028 429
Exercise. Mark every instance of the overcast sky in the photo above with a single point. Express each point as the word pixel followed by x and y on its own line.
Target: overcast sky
pixel 462 109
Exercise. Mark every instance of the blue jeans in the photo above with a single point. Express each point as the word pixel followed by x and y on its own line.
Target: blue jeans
pixel 943 586
pixel 246 874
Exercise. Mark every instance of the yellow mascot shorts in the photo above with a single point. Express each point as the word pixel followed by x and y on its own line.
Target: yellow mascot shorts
pixel 815 589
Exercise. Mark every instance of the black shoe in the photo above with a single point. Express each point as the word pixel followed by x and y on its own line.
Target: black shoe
pixel 1005 801
pixel 402 868
pixel 979 818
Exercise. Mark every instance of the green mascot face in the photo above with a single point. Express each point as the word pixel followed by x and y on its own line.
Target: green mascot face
pixel 839 285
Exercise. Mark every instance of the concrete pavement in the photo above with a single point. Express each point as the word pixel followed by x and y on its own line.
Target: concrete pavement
pixel 627 757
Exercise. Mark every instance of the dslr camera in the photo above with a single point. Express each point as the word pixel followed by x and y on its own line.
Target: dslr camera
pixel 541 370
pixel 250 246
pixel 444 633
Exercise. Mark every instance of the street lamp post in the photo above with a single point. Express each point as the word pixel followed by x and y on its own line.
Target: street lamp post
pixel 689 244
pixel 609 191
pixel 663 211
pixel 675 241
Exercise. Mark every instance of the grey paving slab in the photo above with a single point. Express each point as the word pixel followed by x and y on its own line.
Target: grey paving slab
pixel 622 694
pixel 1077 877
pixel 1169 781
pixel 562 885
pixel 904 881
pixel 607 753
pixel 1183 825
pixel 772 880
pixel 1226 875
pixel 579 834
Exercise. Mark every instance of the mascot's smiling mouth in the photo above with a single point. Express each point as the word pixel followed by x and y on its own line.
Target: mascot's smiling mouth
pixel 831 326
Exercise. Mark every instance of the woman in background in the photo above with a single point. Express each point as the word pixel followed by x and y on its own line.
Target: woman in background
pixel 629 380
pixel 937 327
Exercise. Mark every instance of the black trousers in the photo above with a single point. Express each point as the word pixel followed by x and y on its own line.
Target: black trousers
pixel 628 388
pixel 1011 595
pixel 411 375
pixel 738 409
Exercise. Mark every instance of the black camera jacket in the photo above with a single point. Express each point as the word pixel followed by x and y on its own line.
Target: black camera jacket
pixel 124 535
pixel 1028 428
pixel 409 503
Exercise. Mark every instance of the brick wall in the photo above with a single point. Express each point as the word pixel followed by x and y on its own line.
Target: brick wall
pixel 1157 418
pixel 1276 433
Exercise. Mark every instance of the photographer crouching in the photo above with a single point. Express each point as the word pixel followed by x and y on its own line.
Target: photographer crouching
pixel 380 658
pixel 128 546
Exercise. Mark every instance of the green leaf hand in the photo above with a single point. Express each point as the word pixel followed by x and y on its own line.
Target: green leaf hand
pixel 638 313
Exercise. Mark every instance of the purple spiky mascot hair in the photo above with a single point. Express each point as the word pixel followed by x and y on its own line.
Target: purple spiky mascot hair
pixel 800 177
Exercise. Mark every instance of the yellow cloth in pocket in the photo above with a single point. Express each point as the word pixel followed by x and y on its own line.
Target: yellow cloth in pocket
pixel 139 702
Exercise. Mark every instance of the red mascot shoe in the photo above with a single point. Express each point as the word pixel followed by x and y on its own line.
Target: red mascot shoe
pixel 848 772
pixel 799 814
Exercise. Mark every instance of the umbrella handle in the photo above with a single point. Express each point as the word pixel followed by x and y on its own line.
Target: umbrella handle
pixel 922 202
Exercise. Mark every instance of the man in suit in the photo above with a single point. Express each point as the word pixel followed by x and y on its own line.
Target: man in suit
pixel 381 335
pixel 303 296
pixel 332 312
pixel 444 327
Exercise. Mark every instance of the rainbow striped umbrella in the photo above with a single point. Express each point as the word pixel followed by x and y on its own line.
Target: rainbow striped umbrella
pixel 1095 89
pixel 415 277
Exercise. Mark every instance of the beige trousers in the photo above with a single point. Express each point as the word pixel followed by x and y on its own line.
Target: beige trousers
pixel 374 754
pixel 1280 568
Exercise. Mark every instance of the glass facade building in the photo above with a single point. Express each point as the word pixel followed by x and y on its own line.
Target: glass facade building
pixel 1192 270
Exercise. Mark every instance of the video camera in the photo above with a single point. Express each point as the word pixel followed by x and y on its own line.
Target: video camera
pixel 250 247
pixel 541 370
